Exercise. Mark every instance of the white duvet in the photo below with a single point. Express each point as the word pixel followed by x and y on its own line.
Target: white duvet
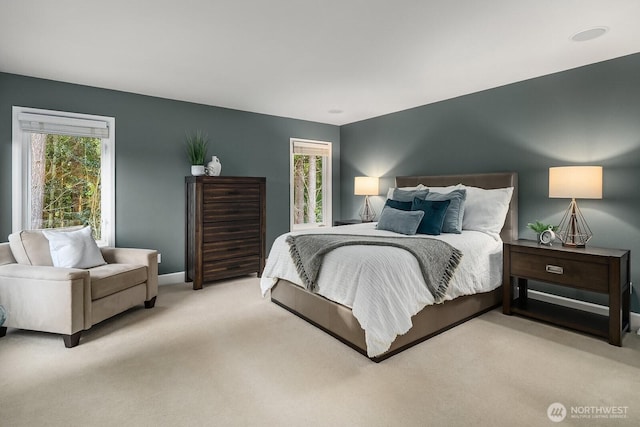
pixel 383 285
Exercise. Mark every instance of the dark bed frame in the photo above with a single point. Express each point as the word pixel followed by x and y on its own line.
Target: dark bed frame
pixel 338 320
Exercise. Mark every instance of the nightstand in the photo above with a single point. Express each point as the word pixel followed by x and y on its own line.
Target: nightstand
pixel 605 271
pixel 346 222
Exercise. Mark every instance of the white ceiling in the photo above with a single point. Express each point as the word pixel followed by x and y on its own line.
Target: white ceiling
pixel 307 58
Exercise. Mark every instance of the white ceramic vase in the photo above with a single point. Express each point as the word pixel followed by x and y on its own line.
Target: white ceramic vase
pixel 214 167
pixel 197 170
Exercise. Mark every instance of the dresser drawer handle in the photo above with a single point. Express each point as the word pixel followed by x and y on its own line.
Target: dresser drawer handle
pixel 554 269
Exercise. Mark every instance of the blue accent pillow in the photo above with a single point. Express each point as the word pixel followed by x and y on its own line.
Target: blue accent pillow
pixel 396 204
pixel 455 211
pixel 434 212
pixel 409 195
pixel 403 222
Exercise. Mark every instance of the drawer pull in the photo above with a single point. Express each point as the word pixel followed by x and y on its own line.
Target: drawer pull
pixel 555 269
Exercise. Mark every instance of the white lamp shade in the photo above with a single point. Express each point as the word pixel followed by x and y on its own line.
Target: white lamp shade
pixel 575 182
pixel 366 186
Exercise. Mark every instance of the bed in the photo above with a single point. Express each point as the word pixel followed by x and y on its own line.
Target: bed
pixel 338 319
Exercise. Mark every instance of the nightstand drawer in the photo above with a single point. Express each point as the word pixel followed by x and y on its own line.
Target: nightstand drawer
pixel 578 274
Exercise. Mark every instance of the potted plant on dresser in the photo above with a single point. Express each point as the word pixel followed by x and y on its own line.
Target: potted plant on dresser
pixel 196 147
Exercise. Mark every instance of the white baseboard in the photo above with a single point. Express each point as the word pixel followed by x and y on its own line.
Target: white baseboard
pixel 171 278
pixel 581 305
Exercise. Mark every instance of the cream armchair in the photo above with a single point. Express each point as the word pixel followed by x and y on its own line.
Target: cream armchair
pixel 66 301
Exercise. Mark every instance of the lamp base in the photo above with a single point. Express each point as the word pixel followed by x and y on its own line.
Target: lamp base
pixel 367 214
pixel 574 245
pixel 573 230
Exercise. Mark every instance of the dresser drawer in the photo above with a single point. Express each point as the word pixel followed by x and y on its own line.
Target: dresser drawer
pixel 578 274
pixel 231 230
pixel 231 193
pixel 224 249
pixel 232 267
pixel 224 211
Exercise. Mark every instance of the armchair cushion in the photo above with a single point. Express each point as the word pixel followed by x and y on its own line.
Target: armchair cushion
pixel 146 257
pixel 111 278
pixel 31 247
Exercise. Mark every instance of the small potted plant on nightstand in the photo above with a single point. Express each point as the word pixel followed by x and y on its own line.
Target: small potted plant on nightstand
pixel 196 147
pixel 540 227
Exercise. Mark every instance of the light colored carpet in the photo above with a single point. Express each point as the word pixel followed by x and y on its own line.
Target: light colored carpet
pixel 226 356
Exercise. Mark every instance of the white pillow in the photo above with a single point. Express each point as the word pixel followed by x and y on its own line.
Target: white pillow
pixel 486 210
pixel 390 192
pixel 444 190
pixel 73 249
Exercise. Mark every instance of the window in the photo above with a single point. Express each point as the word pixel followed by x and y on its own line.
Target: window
pixel 310 184
pixel 63 171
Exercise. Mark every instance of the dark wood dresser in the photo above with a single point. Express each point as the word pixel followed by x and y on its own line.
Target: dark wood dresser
pixel 225 227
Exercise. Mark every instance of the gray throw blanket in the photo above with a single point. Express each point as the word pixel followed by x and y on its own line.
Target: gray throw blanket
pixel 438 260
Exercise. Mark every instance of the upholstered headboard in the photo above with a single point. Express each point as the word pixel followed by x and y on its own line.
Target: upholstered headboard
pixel 481 180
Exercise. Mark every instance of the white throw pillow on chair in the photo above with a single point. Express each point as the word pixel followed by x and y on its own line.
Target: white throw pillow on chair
pixel 74 249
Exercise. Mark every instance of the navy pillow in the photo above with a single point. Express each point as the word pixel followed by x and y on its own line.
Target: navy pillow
pixel 396 204
pixel 409 195
pixel 434 212
pixel 453 218
pixel 404 222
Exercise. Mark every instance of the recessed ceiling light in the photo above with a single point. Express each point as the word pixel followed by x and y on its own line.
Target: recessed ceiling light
pixel 590 34
pixel 335 111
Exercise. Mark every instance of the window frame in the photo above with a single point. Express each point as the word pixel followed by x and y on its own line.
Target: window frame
pixel 20 170
pixel 327 184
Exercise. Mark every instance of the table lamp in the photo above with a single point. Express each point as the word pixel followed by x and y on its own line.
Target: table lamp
pixel 575 182
pixel 366 186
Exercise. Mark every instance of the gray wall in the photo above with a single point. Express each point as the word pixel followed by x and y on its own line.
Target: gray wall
pixel 150 159
pixel 589 115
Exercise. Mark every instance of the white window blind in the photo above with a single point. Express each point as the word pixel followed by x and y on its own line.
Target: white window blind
pixel 311 148
pixel 61 125
pixel 27 122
